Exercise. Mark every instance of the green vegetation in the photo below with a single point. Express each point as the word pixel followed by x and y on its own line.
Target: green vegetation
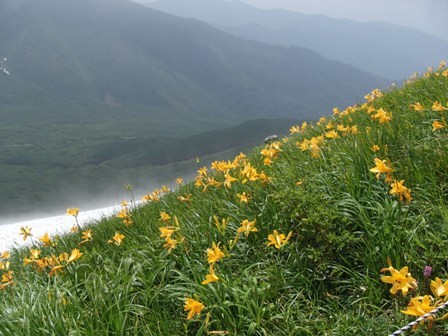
pixel 345 195
pixel 41 172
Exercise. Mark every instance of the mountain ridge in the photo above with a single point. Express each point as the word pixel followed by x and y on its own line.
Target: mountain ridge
pixel 162 62
pixel 384 49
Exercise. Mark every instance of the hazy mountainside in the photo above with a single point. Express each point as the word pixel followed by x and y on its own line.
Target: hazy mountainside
pixel 388 50
pixel 102 92
pixel 115 57
pixel 89 164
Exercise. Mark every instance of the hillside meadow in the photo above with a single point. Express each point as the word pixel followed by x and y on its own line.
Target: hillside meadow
pixel 332 230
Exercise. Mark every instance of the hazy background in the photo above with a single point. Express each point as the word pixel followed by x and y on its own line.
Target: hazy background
pixel 427 15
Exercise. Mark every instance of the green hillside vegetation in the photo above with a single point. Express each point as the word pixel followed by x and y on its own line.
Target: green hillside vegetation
pixel 95 160
pixel 287 241
pixel 380 48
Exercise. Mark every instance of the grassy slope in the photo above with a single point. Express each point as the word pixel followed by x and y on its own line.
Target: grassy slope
pixel 325 281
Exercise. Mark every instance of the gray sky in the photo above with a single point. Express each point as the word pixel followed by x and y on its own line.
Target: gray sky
pixel 427 15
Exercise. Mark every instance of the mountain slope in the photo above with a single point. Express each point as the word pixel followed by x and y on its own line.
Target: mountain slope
pixel 93 166
pixel 123 58
pixel 297 238
pixel 384 49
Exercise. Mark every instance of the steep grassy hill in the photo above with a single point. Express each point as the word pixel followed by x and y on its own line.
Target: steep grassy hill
pixel 380 48
pixel 290 240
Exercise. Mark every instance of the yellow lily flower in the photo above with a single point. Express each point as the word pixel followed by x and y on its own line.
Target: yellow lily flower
pixel 4 265
pixel 202 171
pixel 25 232
pixel 56 270
pixel 34 253
pixel 332 134
pixel 229 180
pixel 400 280
pixel 167 231
pixel 117 239
pixel 249 173
pixel 244 198
pixel 278 240
pixel 211 277
pixel 247 227
pixel 154 197
pixel 46 240
pixel 381 168
pixel 417 106
pixel 193 307
pixel 438 288
pixel 214 254
pixel 382 116
pixel 399 189
pixel 436 125
pixel 186 198
pixel 170 243
pixel 294 129
pixel 223 166
pixel 436 106
pixel 6 280
pixel 264 178
pixel 419 306
pixel 73 212
pixel 75 255
pixel 375 148
pixel 86 236
pixel 164 217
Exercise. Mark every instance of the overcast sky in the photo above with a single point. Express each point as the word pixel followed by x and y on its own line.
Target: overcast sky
pixel 427 15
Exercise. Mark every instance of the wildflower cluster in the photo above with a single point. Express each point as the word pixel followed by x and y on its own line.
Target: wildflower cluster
pixel 125 214
pixel 6 273
pixel 167 231
pixel 307 199
pixel 155 195
pixel 225 175
pixel 418 305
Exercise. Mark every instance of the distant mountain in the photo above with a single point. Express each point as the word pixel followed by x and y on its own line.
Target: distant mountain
pixel 94 59
pixel 98 93
pixel 384 49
